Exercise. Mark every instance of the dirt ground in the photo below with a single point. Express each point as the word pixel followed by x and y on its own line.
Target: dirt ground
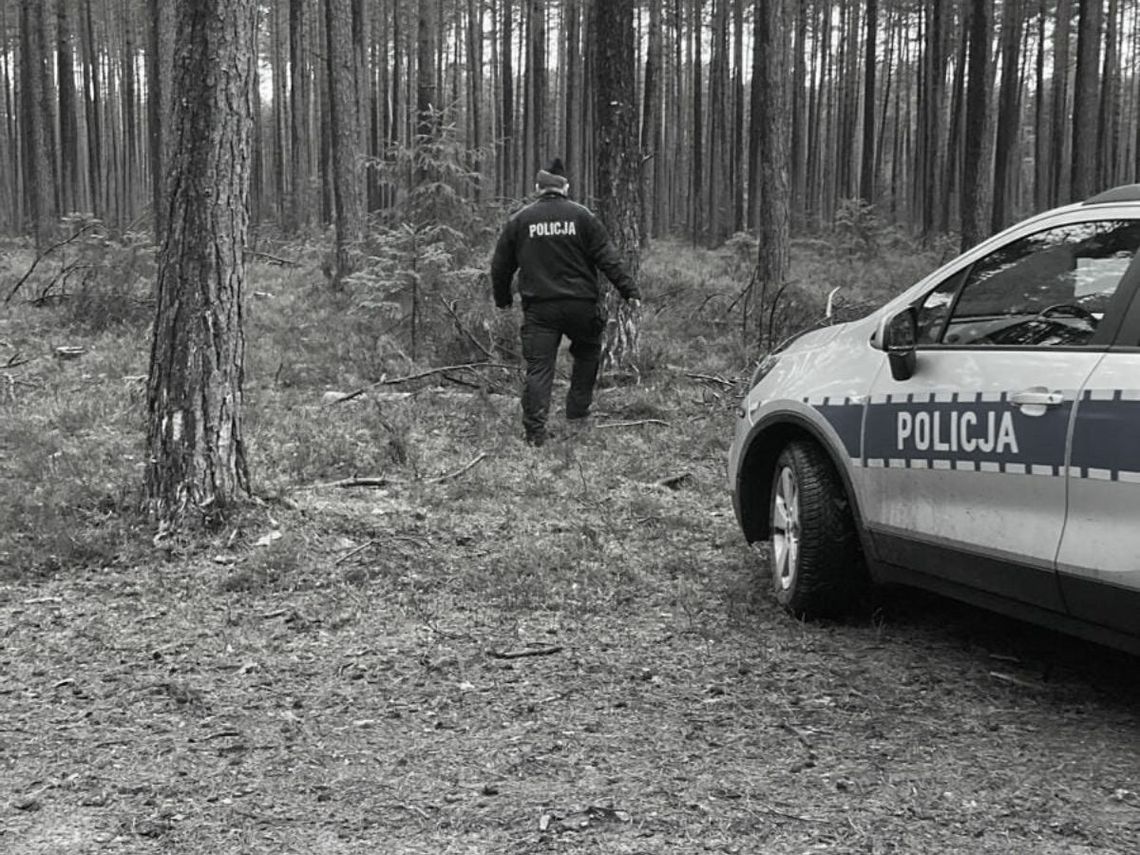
pixel 556 650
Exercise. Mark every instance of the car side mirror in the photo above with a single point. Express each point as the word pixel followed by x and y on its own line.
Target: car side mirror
pixel 898 337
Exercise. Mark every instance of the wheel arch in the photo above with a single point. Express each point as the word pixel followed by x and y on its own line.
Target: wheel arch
pixel 754 478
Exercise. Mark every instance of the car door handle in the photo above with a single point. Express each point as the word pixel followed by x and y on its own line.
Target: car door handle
pixel 1036 397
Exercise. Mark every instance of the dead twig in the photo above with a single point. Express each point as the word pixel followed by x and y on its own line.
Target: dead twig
pixel 450 475
pixel 777 812
pixel 1016 681
pixel 383 381
pixel 354 552
pixel 526 651
pixel 42 256
pixel 637 423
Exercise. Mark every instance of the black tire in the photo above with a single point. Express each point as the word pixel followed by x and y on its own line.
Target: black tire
pixel 816 560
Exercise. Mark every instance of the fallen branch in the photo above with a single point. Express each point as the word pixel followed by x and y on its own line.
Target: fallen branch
pixel 450 475
pixel 420 376
pixel 379 481
pixel 710 378
pixel 450 306
pixel 284 262
pixel 674 482
pixel 637 423
pixel 527 651
pixel 42 256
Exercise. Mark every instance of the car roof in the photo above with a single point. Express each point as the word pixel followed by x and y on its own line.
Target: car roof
pixel 1123 193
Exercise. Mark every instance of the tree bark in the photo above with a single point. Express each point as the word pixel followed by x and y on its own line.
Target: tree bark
pixel 345 133
pixel 94 114
pixel 158 103
pixel 507 186
pixel 197 467
pixel 1061 137
pixel 697 188
pixel 867 170
pixel 774 217
pixel 1108 116
pixel 68 118
pixel 651 123
pixel 977 122
pixel 1085 99
pixel 34 138
pixel 535 114
pixel 299 146
pixel 1008 113
pixel 932 95
pixel 617 186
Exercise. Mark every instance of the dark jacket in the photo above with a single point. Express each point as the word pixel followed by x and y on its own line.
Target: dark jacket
pixel 559 246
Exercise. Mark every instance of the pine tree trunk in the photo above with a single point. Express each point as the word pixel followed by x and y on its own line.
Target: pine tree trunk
pixel 1086 99
pixel 697 188
pixel 1008 114
pixel 345 133
pixel 774 217
pixel 651 123
pixel 536 87
pixel 197 466
pixel 130 116
pixel 932 99
pixel 34 137
pixel 68 119
pixel 158 103
pixel 617 184
pixel 475 63
pixel 93 111
pixel 1060 138
pixel 736 171
pixel 570 150
pixel 1108 117
pixel 867 170
pixel 298 120
pixel 507 185
pixel 977 122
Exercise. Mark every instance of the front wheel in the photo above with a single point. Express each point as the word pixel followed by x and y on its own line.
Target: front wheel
pixel 817 563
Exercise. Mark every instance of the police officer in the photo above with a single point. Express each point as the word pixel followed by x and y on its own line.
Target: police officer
pixel 558 245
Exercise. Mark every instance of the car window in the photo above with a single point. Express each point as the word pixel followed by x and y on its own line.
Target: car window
pixel 1051 288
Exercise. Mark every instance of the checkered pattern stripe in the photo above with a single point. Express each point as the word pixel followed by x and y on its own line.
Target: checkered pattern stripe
pixel 1105 435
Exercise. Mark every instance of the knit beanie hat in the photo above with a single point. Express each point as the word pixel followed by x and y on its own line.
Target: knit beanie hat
pixel 553 178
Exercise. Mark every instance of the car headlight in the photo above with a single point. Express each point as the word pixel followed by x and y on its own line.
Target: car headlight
pixel 763 369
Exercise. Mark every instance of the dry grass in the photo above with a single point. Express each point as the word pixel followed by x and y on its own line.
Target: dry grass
pixel 342 670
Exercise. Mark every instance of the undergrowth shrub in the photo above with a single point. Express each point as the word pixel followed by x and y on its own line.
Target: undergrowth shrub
pixel 69 475
pixel 95 279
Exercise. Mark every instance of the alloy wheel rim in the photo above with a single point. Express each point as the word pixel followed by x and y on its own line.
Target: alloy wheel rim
pixel 785 529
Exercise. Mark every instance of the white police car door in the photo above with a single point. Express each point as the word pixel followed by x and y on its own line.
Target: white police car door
pixel 964 463
pixel 1099 560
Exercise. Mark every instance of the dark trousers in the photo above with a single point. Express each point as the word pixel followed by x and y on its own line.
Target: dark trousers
pixel 544 324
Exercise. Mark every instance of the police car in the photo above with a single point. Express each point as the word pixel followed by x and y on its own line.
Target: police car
pixel 978 436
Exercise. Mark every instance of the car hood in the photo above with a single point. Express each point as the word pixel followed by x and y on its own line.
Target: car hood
pixel 816 338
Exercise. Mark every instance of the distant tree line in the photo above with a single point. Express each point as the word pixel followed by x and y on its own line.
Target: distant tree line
pixel 947 115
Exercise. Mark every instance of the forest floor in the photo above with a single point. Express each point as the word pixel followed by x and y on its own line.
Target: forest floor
pixel 501 649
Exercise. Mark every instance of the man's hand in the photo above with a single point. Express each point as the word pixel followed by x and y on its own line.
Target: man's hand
pixel 634 304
